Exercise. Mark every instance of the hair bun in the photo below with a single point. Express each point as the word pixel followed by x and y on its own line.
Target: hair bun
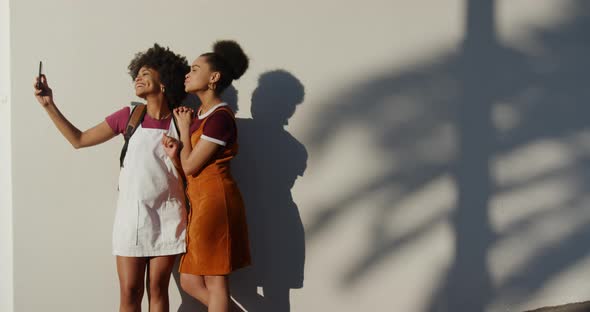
pixel 231 53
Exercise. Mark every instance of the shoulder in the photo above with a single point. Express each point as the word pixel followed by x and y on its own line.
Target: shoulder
pixel 221 115
pixel 219 127
pixel 220 120
pixel 125 111
pixel 118 119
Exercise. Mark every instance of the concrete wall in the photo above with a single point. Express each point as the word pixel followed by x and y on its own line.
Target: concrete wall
pixel 396 155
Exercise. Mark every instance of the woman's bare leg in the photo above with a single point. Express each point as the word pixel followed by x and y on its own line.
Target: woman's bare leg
pixel 131 271
pixel 160 269
pixel 194 285
pixel 218 287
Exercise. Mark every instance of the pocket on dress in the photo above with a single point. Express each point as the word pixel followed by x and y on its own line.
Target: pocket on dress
pixel 126 223
pixel 173 220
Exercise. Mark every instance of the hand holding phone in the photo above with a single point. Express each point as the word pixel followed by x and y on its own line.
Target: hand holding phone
pixel 43 92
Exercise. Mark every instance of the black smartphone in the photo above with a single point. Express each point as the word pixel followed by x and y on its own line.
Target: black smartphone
pixel 39 83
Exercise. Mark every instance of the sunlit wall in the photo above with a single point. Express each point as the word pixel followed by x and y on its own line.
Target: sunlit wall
pixel 396 155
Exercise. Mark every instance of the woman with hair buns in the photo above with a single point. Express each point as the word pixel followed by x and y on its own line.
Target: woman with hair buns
pixel 217 239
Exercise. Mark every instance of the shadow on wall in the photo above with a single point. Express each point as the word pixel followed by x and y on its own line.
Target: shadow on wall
pixel 269 161
pixel 455 116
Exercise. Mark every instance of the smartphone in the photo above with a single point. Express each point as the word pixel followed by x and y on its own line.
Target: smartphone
pixel 39 83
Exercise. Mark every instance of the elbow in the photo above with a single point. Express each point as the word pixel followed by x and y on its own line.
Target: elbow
pixel 189 171
pixel 78 144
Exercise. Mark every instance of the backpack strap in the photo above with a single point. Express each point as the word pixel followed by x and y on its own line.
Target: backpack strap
pixel 134 121
pixel 176 125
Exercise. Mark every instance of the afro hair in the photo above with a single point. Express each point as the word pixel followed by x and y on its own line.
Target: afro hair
pixel 171 67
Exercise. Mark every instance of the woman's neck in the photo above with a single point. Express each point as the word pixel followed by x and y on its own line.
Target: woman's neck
pixel 208 100
pixel 157 108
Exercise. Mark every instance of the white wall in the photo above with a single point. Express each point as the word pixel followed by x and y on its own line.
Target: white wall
pixel 443 160
pixel 6 270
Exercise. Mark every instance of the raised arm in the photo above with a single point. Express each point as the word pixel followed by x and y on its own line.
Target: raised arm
pixel 93 136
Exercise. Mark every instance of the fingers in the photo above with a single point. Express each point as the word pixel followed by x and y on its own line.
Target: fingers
pixel 169 141
pixel 41 87
pixel 43 81
pixel 37 91
pixel 165 140
pixel 183 110
pixel 177 112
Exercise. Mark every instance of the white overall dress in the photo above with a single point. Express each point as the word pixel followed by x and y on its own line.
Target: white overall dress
pixel 151 215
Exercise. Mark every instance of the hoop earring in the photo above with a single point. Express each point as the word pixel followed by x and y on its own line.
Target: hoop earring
pixel 212 86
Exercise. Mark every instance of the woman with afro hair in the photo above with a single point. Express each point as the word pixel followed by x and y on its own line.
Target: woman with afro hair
pixel 150 220
pixel 217 233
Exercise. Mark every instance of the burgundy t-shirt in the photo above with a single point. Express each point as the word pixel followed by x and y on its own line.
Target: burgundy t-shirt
pixel 118 120
pixel 218 129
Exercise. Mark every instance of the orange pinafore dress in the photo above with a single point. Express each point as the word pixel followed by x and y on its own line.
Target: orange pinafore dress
pixel 217 232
